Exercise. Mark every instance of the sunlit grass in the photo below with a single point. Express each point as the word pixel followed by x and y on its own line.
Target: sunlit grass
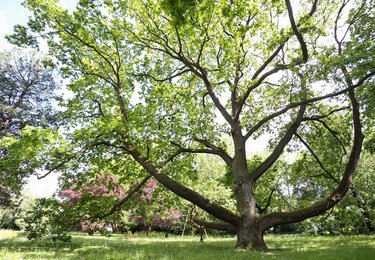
pixel 13 245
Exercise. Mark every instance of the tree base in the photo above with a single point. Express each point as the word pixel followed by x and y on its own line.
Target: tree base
pixel 251 239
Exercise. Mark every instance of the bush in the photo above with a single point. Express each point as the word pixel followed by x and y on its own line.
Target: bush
pixel 47 221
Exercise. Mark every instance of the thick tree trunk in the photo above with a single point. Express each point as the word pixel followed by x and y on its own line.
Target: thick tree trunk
pixel 249 232
pixel 250 237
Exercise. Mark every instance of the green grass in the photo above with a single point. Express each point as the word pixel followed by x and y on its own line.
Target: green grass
pixel 14 245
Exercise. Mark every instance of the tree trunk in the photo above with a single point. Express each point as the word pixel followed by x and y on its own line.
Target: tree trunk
pixel 250 237
pixel 249 232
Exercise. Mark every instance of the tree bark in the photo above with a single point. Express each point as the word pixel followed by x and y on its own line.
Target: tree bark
pixel 249 232
pixel 250 236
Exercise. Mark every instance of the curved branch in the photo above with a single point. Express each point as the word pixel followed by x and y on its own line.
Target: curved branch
pixel 302 42
pixel 194 67
pixel 99 107
pixel 84 43
pixel 335 197
pixel 218 150
pixel 331 131
pixel 183 191
pixel 130 193
pixel 254 86
pixel 263 167
pixel 307 101
pixel 317 117
pixel 268 203
pixel 173 75
pixel 76 154
pixel 269 60
pixel 338 42
pixel 274 54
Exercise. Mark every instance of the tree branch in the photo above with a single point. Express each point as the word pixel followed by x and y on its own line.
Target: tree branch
pixel 215 225
pixel 220 151
pixel 307 101
pixel 212 150
pixel 269 199
pixel 270 59
pixel 130 193
pixel 305 54
pixel 335 197
pixel 321 165
pixel 182 71
pixel 183 191
pixel 332 132
pixel 80 152
pixel 263 167
pixel 254 86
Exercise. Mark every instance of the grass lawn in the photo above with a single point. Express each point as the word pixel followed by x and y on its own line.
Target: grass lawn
pixel 14 245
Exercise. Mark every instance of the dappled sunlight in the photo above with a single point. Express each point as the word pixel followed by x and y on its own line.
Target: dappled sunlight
pixel 86 248
pixel 8 234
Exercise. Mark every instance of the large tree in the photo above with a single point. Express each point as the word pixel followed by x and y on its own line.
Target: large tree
pixel 27 89
pixel 156 82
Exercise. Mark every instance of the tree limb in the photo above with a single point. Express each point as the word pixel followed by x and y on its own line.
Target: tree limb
pixel 216 151
pixel 263 167
pixel 269 199
pixel 215 225
pixel 306 101
pixel 129 194
pixel 321 165
pixel 305 54
pixel 183 191
pixel 220 151
pixel 335 197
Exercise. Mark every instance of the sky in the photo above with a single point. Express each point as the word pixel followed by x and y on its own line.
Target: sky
pixel 12 13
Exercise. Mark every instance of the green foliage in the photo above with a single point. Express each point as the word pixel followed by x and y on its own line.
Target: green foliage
pixel 180 10
pixel 13 215
pixel 27 84
pixel 26 153
pixel 22 37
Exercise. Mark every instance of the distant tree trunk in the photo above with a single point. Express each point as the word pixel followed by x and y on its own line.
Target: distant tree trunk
pixel 201 233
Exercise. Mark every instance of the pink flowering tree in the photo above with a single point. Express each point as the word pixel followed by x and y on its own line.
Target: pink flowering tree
pixel 94 199
pixel 155 212
pixel 99 205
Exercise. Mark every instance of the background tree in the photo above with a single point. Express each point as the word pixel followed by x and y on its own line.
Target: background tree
pixel 27 90
pixel 156 83
pixel 14 214
pixel 98 205
pixel 27 86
